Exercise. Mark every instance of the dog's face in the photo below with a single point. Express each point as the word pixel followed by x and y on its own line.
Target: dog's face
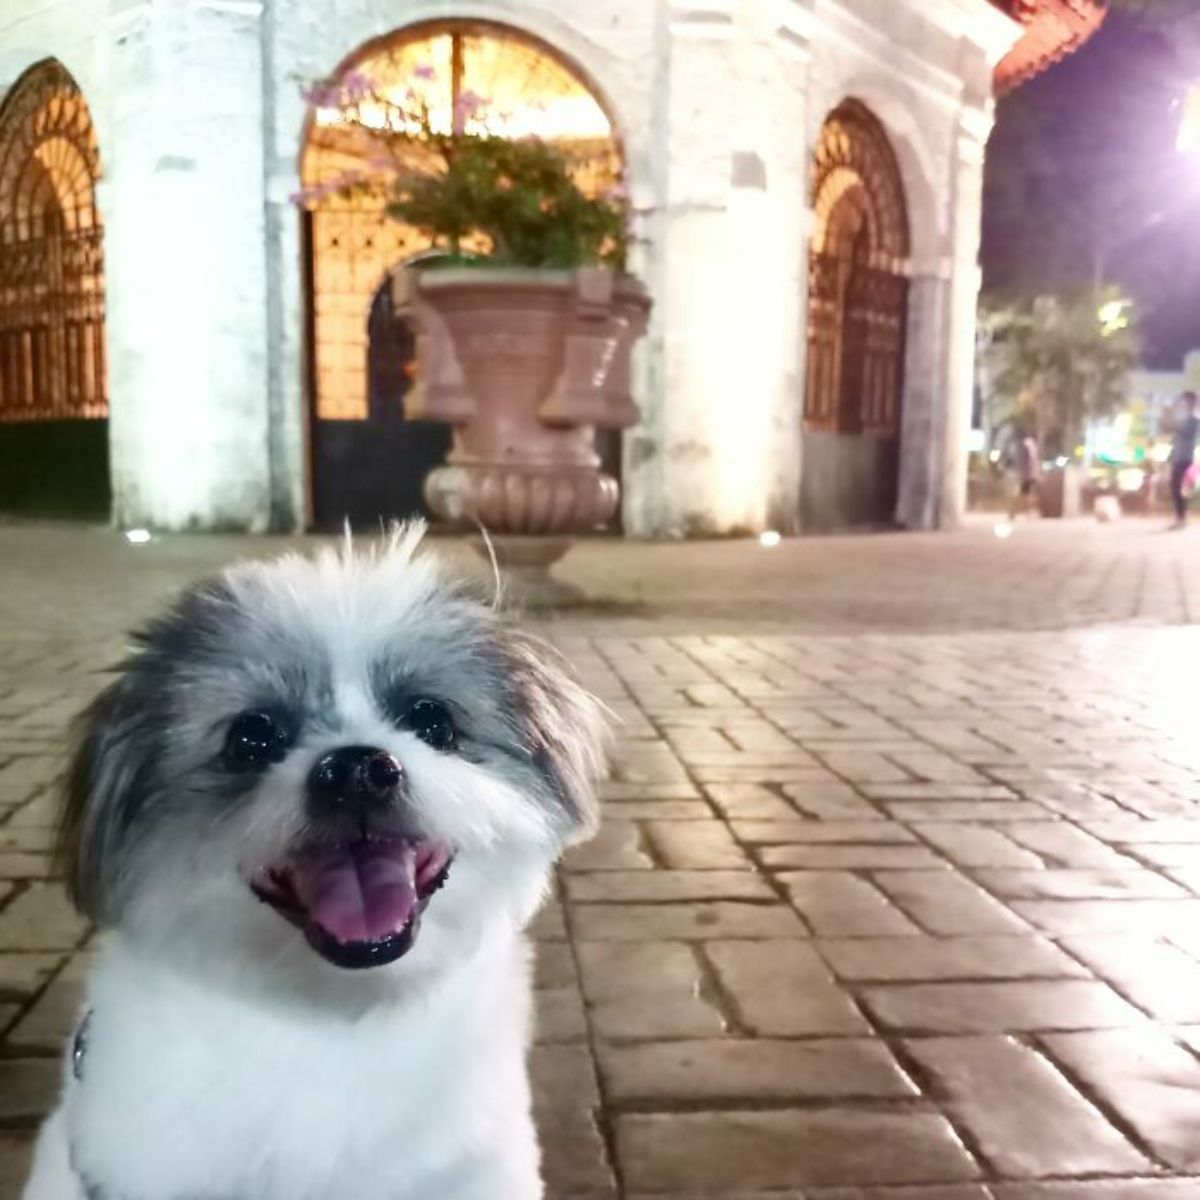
pixel 314 766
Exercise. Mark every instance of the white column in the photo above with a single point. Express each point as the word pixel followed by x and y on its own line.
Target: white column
pixel 187 316
pixel 722 350
pixel 786 117
pixel 963 302
pixel 925 373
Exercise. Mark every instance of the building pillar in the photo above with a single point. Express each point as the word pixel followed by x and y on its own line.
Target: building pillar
pixel 921 431
pixel 183 207
pixel 966 214
pixel 721 358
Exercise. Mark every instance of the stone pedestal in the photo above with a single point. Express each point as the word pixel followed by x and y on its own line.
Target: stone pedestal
pixel 525 365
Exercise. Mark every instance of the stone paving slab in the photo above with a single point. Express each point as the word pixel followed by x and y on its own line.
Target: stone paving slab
pixel 898 894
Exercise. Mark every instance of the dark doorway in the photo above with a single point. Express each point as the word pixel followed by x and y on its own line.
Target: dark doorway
pixel 857 313
pixel 53 395
pixel 373 470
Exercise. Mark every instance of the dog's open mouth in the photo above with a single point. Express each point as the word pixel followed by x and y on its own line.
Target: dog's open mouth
pixel 358 904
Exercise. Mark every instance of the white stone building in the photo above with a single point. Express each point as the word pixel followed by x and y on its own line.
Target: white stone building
pixel 767 144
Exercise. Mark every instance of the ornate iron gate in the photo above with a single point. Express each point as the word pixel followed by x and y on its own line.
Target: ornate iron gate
pixel 53 399
pixel 857 311
pixel 51 253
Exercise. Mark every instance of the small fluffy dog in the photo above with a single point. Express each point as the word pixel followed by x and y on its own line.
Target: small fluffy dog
pixel 312 815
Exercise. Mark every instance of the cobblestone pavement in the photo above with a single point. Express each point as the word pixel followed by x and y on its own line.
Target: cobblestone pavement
pixel 896 895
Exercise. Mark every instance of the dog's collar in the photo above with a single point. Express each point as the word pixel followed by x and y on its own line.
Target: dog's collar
pixel 79 1044
pixel 79 1047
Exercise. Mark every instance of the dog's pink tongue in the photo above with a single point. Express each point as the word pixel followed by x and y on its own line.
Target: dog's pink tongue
pixel 359 893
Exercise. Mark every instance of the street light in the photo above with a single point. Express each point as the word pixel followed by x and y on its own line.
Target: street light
pixel 1187 140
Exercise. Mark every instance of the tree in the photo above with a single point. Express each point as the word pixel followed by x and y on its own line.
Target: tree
pixel 1057 361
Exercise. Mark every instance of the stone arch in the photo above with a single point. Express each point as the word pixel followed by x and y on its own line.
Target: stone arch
pixel 607 76
pixel 857 294
pixel 349 246
pixel 53 374
pixel 898 109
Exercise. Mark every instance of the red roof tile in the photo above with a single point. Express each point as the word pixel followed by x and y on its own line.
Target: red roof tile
pixel 1053 28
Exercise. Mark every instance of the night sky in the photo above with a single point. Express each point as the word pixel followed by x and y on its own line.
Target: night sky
pixel 1084 181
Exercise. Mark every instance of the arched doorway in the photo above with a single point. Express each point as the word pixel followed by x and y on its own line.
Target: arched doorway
pixel 53 397
pixel 857 310
pixel 368 463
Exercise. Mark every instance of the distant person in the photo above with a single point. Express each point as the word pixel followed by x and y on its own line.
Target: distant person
pixel 1027 464
pixel 1183 453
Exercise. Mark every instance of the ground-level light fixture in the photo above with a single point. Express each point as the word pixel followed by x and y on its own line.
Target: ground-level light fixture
pixel 137 537
pixel 769 539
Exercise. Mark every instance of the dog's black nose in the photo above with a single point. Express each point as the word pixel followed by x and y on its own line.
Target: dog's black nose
pixel 355 776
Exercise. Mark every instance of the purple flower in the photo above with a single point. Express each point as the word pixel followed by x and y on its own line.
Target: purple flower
pixel 322 94
pixel 469 103
pixel 356 85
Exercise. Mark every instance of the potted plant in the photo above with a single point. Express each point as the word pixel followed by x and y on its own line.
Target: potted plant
pixel 525 314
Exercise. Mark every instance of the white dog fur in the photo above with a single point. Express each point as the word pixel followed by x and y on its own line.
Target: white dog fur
pixel 224 1057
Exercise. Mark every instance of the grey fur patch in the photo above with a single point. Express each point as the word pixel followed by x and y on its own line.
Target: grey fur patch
pixel 562 726
pixel 118 747
pixel 515 700
pixel 149 739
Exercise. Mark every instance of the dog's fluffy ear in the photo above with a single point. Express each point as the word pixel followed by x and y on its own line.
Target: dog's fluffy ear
pixel 108 776
pixel 563 727
pixel 117 742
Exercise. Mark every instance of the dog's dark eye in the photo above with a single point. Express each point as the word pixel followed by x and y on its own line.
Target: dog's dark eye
pixel 254 740
pixel 432 723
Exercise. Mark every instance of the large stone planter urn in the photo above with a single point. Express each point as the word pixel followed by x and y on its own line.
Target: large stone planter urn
pixel 525 365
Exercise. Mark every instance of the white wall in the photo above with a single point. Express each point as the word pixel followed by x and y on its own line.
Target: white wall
pixel 175 90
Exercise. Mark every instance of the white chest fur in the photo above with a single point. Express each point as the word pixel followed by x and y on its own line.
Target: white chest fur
pixel 189 1092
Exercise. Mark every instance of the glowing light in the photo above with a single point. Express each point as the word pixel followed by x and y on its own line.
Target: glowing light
pixel 994 456
pixel 1003 529
pixel 1161 452
pixel 1131 479
pixel 1061 461
pixel 137 537
pixel 1114 316
pixel 976 439
pixel 1187 141
pixel 769 539
pixel 1113 442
